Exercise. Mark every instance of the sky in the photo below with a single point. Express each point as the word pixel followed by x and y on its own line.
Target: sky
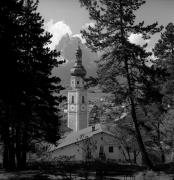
pixel 67 16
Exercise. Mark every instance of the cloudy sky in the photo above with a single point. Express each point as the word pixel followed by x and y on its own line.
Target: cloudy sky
pixel 66 16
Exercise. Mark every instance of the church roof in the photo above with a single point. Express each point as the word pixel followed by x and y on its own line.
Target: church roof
pixel 82 134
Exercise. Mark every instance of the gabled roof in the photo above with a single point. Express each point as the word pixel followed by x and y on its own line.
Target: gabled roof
pixel 80 135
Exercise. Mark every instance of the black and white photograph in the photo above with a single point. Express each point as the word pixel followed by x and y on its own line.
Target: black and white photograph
pixel 87 90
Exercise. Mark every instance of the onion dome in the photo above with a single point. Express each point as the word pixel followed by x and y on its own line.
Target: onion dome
pixel 78 69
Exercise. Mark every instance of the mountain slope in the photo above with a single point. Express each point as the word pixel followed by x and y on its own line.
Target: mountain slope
pixel 68 46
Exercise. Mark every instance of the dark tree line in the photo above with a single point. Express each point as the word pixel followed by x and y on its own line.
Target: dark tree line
pixel 29 94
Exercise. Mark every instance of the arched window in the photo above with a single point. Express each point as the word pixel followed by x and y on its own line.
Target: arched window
pixel 72 99
pixel 83 99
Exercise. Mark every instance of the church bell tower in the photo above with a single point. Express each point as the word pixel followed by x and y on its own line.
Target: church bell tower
pixel 77 96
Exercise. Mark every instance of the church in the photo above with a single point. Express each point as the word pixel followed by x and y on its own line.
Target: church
pixel 77 96
pixel 84 142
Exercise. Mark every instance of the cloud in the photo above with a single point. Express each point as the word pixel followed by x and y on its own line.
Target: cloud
pixel 137 39
pixel 58 30
pixel 80 37
pixel 85 26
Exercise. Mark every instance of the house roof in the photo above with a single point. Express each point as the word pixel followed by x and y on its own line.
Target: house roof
pixel 80 135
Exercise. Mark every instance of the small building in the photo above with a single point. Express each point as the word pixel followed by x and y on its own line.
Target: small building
pixel 91 143
pixel 94 142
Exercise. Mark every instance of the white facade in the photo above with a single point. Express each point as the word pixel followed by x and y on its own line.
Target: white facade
pixel 90 144
pixel 77 109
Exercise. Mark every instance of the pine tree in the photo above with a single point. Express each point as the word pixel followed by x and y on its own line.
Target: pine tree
pixel 30 93
pixel 10 11
pixel 122 62
pixel 164 52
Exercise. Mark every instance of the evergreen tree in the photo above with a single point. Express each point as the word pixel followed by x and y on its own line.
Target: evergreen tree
pixel 164 52
pixel 122 62
pixel 30 93
pixel 9 29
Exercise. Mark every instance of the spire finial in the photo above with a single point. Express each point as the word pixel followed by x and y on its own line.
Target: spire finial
pixel 78 69
pixel 79 53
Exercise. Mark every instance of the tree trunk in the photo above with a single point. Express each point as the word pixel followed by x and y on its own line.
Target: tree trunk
pixel 134 117
pixel 18 148
pixel 139 137
pixel 6 160
pixel 159 143
pixel 5 137
pixel 21 148
pixel 8 140
pixel 12 155
pixel 133 112
pixel 24 150
pixel 9 154
pixel 24 159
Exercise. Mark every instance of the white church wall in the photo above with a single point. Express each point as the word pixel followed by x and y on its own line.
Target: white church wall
pixel 70 150
pixel 80 149
pixel 107 141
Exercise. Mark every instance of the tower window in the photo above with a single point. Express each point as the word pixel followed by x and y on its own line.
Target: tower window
pixel 72 82
pixel 83 99
pixel 77 82
pixel 72 99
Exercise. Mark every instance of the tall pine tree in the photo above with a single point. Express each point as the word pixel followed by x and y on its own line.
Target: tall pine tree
pixel 164 52
pixel 9 29
pixel 122 62
pixel 30 94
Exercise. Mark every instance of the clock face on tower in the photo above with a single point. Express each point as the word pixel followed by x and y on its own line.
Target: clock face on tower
pixel 72 107
pixel 83 107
